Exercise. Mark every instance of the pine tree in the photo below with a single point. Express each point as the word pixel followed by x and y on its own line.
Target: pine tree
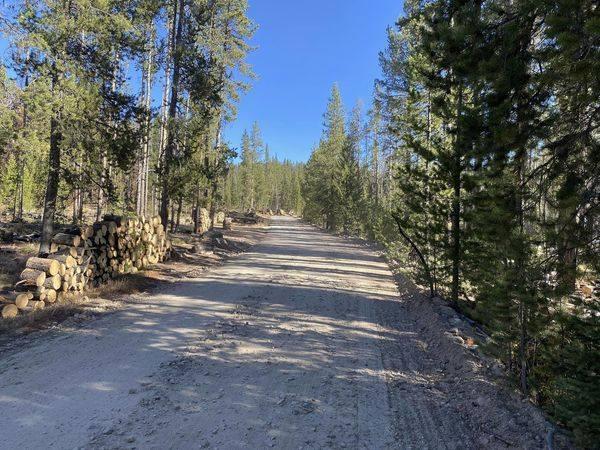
pixel 320 191
pixel 248 169
pixel 78 74
pixel 347 176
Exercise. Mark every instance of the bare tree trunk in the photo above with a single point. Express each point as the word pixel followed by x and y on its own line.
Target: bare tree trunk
pixel 53 176
pixel 215 181
pixel 20 191
pixel 456 202
pixel 142 185
pixel 164 108
pixel 170 142
pixel 196 211
pixel 179 207
pixel 172 216
pixel 80 210
pixel 106 170
pixel 76 200
pixel 103 177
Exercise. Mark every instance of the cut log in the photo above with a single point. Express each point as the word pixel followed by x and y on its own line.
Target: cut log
pixel 48 265
pixel 87 232
pixel 53 282
pixel 10 311
pixel 22 300
pixel 51 295
pixel 37 304
pixel 34 276
pixel 71 251
pixel 40 290
pixel 118 220
pixel 70 240
pixel 67 260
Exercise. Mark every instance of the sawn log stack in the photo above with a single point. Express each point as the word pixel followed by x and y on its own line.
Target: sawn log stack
pixel 88 256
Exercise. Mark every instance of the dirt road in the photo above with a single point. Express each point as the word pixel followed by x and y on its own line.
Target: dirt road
pixel 304 342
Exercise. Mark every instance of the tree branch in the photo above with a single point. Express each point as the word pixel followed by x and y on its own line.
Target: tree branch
pixel 419 254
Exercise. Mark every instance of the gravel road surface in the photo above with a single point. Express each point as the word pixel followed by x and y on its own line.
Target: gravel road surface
pixel 306 341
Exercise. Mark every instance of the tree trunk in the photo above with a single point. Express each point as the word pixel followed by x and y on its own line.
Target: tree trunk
pixel 170 143
pixel 142 185
pixel 20 191
pixel 567 246
pixel 179 207
pixel 523 348
pixel 456 201
pixel 172 216
pixel 103 177
pixel 215 181
pixel 196 214
pixel 106 172
pixel 419 254
pixel 53 177
pixel 164 108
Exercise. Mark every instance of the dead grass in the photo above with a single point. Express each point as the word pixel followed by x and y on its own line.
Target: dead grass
pixel 125 285
pixel 43 318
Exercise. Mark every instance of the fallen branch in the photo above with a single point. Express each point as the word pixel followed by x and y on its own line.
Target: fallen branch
pixel 419 254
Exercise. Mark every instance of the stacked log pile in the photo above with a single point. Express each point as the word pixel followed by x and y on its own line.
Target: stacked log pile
pixel 249 218
pixel 88 256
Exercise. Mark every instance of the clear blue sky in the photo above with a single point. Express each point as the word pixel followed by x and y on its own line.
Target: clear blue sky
pixel 303 47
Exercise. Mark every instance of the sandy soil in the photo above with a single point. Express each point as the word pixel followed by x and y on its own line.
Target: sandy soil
pixel 303 342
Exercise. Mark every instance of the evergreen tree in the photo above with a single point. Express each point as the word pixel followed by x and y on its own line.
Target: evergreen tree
pixel 320 185
pixel 482 151
pixel 248 167
pixel 347 176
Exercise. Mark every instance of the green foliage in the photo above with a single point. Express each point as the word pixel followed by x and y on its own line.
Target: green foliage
pixel 331 187
pixel 494 190
pixel 574 387
pixel 260 181
pixel 73 99
pixel 7 112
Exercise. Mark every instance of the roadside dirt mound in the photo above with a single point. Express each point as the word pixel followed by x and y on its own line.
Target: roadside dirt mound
pixel 471 385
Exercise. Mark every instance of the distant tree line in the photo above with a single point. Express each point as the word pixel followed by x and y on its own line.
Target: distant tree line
pixel 479 166
pixel 80 130
pixel 260 182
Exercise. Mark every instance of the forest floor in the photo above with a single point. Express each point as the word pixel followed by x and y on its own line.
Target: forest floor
pixel 117 293
pixel 305 341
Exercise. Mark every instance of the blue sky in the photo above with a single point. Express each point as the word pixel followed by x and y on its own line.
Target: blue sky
pixel 303 47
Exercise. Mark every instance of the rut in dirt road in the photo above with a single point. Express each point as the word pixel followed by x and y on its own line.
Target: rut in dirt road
pixel 305 342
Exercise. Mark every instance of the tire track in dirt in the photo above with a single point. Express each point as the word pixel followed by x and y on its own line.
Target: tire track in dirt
pixel 305 342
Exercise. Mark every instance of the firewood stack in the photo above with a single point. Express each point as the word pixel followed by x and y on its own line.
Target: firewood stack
pixel 126 245
pixel 89 256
